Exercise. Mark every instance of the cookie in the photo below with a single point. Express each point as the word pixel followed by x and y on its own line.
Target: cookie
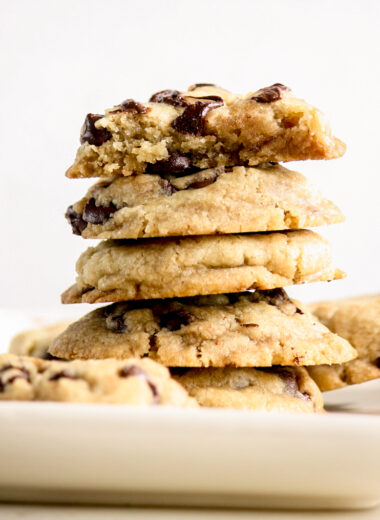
pixel 219 200
pixel 284 389
pixel 204 127
pixel 358 321
pixel 261 328
pixel 169 267
pixel 35 342
pixel 134 382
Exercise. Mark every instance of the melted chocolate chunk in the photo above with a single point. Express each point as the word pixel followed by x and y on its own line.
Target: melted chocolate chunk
pixel 192 120
pixel 117 325
pixel 211 98
pixel 94 214
pixel 291 381
pixel 206 181
pixel 175 164
pixel 92 135
pixel 269 94
pixel 170 97
pixel 176 319
pixel 131 106
pixel 61 374
pixel 76 221
pixel 134 371
pixel 197 85
pixel 167 187
pixel 22 373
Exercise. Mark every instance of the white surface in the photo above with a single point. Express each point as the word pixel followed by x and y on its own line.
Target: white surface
pixel 125 455
pixel 62 59
pixel 15 512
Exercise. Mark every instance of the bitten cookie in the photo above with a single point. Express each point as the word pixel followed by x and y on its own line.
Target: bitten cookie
pixel 282 389
pixel 219 200
pixel 358 321
pixel 204 127
pixel 134 382
pixel 35 342
pixel 176 267
pixel 263 328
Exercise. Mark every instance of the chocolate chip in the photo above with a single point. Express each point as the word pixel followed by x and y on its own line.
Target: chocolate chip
pixel 211 98
pixel 170 97
pixel 116 324
pixel 249 324
pixel 192 120
pixel 269 94
pixel 97 214
pixel 77 223
pixel 291 382
pixel 92 135
pixel 198 85
pixel 176 163
pixel 274 297
pixel 176 319
pixel 153 342
pixel 109 309
pixel 167 187
pixel 211 177
pixel 62 374
pixel 377 362
pixel 135 371
pixel 22 373
pixel 279 299
pixel 132 371
pixel 131 106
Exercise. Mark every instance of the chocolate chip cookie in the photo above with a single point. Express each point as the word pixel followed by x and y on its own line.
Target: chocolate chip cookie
pixel 218 200
pixel 280 389
pixel 175 267
pixel 134 382
pixel 35 342
pixel 261 328
pixel 205 127
pixel 358 321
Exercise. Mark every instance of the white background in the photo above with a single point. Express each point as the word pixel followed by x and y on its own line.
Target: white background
pixel 62 59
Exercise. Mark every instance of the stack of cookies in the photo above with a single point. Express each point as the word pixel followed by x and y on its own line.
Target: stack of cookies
pixel 202 230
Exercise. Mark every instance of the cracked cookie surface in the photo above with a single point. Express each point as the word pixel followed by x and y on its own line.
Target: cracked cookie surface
pixel 170 267
pixel 265 198
pixel 358 321
pixel 263 328
pixel 206 126
pixel 138 382
pixel 281 389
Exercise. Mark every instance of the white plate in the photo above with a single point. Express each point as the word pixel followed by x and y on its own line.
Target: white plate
pixel 119 454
